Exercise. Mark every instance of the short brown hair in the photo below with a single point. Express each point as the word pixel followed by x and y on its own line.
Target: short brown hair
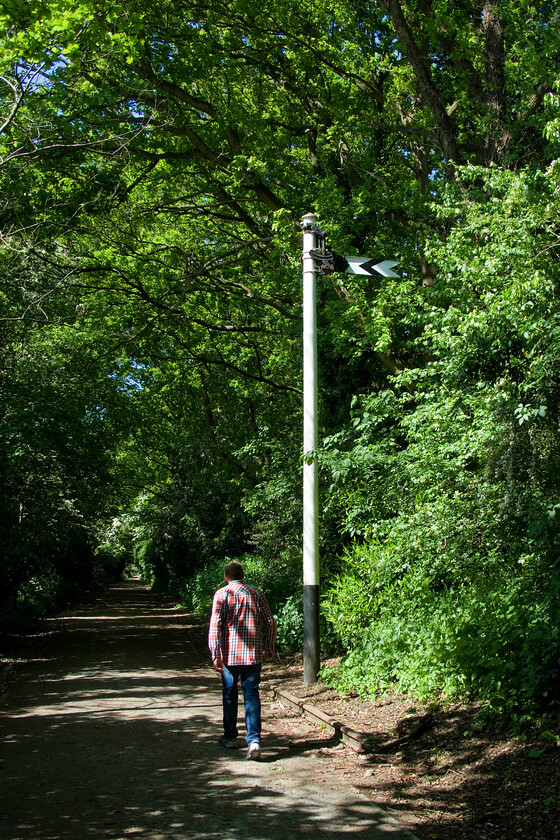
pixel 234 571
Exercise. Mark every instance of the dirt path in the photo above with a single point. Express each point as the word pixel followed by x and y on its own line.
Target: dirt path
pixel 113 733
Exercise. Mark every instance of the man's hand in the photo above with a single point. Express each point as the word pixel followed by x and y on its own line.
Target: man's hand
pixel 217 664
pixel 268 655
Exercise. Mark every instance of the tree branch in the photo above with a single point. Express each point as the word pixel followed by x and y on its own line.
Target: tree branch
pixel 428 90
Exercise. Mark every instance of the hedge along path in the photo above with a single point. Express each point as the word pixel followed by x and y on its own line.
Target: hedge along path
pixel 113 733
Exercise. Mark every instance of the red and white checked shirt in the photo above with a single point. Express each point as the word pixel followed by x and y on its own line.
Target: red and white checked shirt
pixel 239 611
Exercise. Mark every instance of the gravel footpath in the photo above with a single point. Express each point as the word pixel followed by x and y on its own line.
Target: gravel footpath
pixel 112 732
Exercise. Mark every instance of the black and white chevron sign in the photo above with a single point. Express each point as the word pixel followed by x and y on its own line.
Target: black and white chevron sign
pixel 365 265
pixel 328 261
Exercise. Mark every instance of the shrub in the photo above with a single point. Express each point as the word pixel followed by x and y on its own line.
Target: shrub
pixel 496 638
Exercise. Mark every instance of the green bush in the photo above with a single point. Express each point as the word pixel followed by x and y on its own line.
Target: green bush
pixel 350 598
pixel 39 595
pixel 496 638
pixel 198 591
pixel 289 618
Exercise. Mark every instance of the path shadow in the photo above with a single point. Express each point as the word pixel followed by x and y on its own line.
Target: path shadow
pixel 114 735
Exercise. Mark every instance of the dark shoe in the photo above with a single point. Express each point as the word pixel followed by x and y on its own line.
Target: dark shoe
pixel 254 751
pixel 228 743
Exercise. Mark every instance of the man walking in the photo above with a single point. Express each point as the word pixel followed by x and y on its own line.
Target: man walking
pixel 239 612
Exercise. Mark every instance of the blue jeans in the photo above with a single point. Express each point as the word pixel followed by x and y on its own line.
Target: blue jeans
pixel 250 679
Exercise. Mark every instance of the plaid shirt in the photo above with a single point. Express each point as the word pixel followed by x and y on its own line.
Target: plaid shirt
pixel 238 613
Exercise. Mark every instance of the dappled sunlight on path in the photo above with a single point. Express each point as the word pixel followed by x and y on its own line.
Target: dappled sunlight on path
pixel 114 732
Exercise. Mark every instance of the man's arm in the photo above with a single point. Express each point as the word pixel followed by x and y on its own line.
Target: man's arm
pixel 214 633
pixel 270 628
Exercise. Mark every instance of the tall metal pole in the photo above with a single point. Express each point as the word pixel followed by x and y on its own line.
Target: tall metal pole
pixel 311 650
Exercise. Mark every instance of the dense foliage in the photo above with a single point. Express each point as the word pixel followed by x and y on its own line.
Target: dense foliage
pixel 155 161
pixel 455 525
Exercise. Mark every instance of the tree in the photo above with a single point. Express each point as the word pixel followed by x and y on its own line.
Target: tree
pixel 157 159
